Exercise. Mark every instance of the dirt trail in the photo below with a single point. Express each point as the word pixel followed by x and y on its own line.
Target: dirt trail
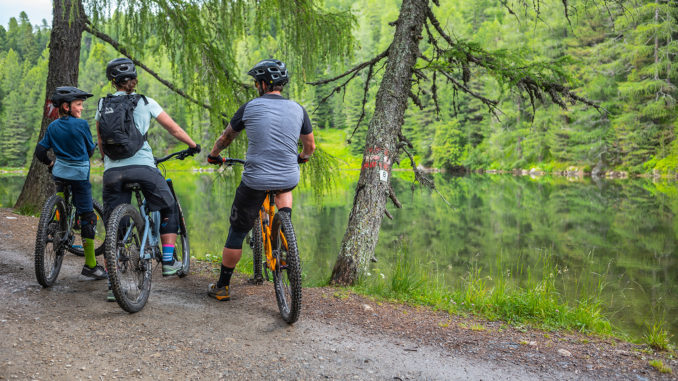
pixel 70 332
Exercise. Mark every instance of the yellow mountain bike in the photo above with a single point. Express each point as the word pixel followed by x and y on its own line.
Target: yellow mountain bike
pixel 273 236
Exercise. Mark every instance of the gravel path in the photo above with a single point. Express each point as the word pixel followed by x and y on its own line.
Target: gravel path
pixel 70 332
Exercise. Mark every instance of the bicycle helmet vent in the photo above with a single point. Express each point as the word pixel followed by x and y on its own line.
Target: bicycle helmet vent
pixel 121 70
pixel 271 71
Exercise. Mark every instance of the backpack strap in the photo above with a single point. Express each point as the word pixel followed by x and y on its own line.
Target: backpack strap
pixel 144 98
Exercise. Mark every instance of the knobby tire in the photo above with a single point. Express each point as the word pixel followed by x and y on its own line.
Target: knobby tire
pixel 257 245
pixel 182 250
pixel 128 274
pixel 49 250
pixel 287 274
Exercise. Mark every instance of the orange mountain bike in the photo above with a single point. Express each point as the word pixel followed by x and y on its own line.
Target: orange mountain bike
pixel 273 235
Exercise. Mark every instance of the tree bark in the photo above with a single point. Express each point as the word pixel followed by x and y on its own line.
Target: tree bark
pixel 372 191
pixel 64 52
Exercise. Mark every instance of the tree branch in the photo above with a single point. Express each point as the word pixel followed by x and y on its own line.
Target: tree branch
pixel 491 104
pixel 358 67
pixel 419 175
pixel 518 75
pixel 392 196
pixel 117 46
pixel 362 108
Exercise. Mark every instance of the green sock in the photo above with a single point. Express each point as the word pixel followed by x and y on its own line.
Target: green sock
pixel 61 194
pixel 90 258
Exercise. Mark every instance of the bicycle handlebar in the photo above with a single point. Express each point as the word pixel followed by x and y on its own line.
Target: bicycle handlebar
pixel 231 161
pixel 181 155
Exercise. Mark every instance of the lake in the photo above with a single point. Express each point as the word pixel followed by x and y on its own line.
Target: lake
pixel 621 234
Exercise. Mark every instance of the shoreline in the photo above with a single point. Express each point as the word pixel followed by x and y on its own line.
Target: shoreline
pixel 572 172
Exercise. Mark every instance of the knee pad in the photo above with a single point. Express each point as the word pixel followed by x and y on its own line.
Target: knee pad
pixel 88 224
pixel 169 221
pixel 235 238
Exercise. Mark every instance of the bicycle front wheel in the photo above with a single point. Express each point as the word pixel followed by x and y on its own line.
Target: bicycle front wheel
pixel 287 272
pixel 129 275
pixel 99 236
pixel 49 242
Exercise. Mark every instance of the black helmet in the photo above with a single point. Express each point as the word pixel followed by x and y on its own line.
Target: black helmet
pixel 68 94
pixel 121 70
pixel 271 71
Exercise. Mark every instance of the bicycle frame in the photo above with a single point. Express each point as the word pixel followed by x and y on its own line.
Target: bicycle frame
pixel 151 235
pixel 266 214
pixel 68 238
pixel 151 230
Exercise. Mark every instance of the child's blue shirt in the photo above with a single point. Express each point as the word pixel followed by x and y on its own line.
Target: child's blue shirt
pixel 71 141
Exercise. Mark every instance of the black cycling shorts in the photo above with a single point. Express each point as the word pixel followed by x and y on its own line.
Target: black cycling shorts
pixel 246 205
pixel 153 185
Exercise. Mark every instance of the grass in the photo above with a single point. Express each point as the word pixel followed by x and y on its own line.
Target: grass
pixel 333 141
pixel 659 365
pixel 657 336
pixel 28 210
pixel 535 302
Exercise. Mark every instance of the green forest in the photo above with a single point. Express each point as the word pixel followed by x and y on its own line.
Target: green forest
pixel 621 57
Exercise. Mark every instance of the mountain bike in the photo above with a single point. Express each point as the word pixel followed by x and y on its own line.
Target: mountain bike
pixel 133 243
pixel 57 234
pixel 273 238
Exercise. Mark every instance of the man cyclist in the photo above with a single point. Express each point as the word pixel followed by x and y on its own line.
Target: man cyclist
pixel 71 141
pixel 274 125
pixel 140 167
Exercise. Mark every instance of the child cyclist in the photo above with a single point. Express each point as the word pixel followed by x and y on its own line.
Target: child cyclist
pixel 71 141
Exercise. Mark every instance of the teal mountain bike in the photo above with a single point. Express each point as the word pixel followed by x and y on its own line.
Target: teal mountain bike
pixel 133 243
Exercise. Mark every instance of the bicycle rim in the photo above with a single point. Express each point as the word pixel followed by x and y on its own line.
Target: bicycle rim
pixel 49 249
pixel 129 275
pixel 287 274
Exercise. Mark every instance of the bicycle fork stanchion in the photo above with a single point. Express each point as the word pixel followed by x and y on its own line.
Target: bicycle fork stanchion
pixel 152 238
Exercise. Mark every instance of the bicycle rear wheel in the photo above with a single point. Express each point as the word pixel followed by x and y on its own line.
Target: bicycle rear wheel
pixel 99 237
pixel 129 275
pixel 257 245
pixel 49 247
pixel 182 250
pixel 287 272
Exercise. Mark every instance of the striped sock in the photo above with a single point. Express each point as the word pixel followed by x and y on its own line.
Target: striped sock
pixel 168 254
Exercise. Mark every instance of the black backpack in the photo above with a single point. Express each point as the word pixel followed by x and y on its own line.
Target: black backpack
pixel 120 138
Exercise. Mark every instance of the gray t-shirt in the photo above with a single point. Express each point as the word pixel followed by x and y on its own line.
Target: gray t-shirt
pixel 273 125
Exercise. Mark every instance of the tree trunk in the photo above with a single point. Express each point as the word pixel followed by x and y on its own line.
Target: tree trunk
pixel 381 144
pixel 64 56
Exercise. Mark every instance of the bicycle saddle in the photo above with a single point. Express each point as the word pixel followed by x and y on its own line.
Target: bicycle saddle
pixel 132 186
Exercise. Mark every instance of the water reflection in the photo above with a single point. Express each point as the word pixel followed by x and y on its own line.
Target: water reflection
pixel 620 233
